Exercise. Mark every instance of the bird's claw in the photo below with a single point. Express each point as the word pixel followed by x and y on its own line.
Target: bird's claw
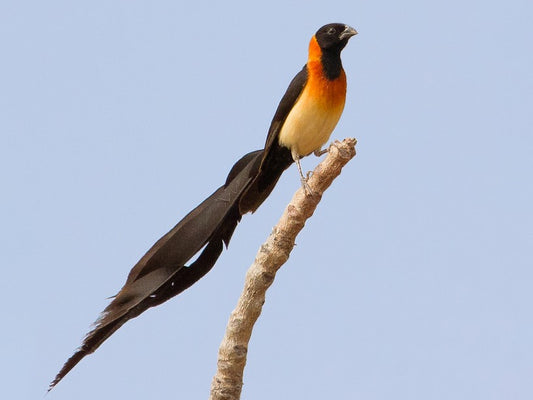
pixel 320 152
pixel 307 189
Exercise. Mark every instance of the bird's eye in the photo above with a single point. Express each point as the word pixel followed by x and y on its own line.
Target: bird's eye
pixel 331 31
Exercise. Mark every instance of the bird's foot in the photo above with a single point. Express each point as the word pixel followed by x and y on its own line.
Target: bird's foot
pixel 307 189
pixel 320 152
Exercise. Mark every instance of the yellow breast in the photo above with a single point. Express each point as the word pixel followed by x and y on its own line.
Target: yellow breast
pixel 316 112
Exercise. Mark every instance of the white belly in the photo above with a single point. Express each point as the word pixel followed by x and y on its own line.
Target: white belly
pixel 309 124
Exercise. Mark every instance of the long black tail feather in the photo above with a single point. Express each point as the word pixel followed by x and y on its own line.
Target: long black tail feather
pixel 161 273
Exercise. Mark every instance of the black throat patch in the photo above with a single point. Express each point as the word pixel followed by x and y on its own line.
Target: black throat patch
pixel 331 63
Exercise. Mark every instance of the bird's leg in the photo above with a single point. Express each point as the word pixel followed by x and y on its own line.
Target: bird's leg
pixel 296 157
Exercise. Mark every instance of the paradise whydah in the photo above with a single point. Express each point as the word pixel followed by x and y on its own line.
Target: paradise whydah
pixel 302 124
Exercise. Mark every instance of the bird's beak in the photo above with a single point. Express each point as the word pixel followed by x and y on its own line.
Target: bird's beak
pixel 347 33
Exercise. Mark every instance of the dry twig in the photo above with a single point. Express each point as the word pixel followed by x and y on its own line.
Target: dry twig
pixel 227 382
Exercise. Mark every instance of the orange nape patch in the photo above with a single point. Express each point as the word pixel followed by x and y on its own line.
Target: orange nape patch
pixel 318 109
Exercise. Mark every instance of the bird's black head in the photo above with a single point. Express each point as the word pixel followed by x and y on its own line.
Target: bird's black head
pixel 334 36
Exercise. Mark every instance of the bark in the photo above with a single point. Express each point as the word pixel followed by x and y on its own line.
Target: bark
pixel 228 380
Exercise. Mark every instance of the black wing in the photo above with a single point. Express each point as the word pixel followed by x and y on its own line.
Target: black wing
pixel 285 106
pixel 276 158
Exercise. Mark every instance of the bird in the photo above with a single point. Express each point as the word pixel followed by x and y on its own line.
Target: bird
pixel 302 124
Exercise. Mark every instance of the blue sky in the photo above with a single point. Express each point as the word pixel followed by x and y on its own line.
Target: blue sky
pixel 413 278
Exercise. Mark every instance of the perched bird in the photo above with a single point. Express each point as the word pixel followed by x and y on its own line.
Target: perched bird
pixel 302 124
